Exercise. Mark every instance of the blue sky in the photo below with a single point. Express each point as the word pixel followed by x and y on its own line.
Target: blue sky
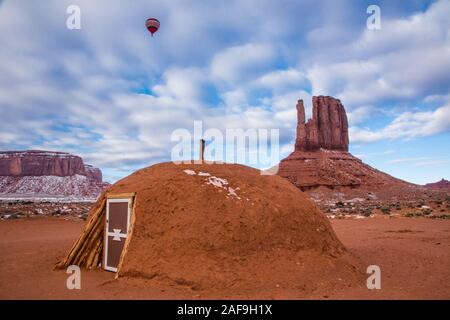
pixel 112 94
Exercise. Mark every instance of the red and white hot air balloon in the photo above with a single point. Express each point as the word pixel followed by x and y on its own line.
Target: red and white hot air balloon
pixel 152 25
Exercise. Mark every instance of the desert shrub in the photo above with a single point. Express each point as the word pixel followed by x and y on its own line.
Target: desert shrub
pixel 340 204
pixel 385 210
pixel 442 216
pixel 411 214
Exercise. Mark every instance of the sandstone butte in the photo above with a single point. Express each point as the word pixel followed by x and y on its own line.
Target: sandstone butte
pixel 321 157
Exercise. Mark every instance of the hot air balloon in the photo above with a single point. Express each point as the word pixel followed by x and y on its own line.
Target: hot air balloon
pixel 152 25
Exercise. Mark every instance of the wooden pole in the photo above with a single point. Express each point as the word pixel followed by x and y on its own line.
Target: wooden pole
pixel 77 250
pixel 202 150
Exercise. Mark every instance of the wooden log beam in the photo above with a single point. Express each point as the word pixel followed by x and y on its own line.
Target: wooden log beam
pixel 75 250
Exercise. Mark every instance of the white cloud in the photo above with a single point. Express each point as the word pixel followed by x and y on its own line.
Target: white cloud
pixel 239 63
pixel 182 84
pixel 282 80
pixel 419 161
pixel 431 163
pixel 406 126
pixel 77 90
pixel 361 114
pixel 406 59
pixel 405 160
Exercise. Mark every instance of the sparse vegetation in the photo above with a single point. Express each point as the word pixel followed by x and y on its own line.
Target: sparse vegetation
pixel 412 214
pixel 442 216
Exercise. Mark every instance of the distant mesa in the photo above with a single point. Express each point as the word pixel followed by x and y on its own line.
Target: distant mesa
pixel 48 174
pixel 321 157
pixel 45 163
pixel 442 184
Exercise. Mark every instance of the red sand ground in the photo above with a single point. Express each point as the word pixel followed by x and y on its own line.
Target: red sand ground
pixel 413 253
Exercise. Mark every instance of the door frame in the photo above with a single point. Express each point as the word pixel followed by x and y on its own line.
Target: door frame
pixel 107 233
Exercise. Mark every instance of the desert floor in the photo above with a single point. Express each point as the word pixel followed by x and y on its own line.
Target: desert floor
pixel 413 253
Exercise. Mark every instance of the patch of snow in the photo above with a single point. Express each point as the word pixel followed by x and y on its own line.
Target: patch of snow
pixel 223 184
pixel 36 153
pixel 217 182
pixel 232 192
pixel 41 199
pixel 372 196
pixel 356 200
pixel 50 188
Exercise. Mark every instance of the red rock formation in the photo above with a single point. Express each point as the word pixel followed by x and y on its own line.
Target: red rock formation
pixel 327 129
pixel 93 173
pixel 442 184
pixel 321 156
pixel 45 163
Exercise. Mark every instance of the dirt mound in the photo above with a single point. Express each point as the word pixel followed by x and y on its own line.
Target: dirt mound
pixel 226 226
